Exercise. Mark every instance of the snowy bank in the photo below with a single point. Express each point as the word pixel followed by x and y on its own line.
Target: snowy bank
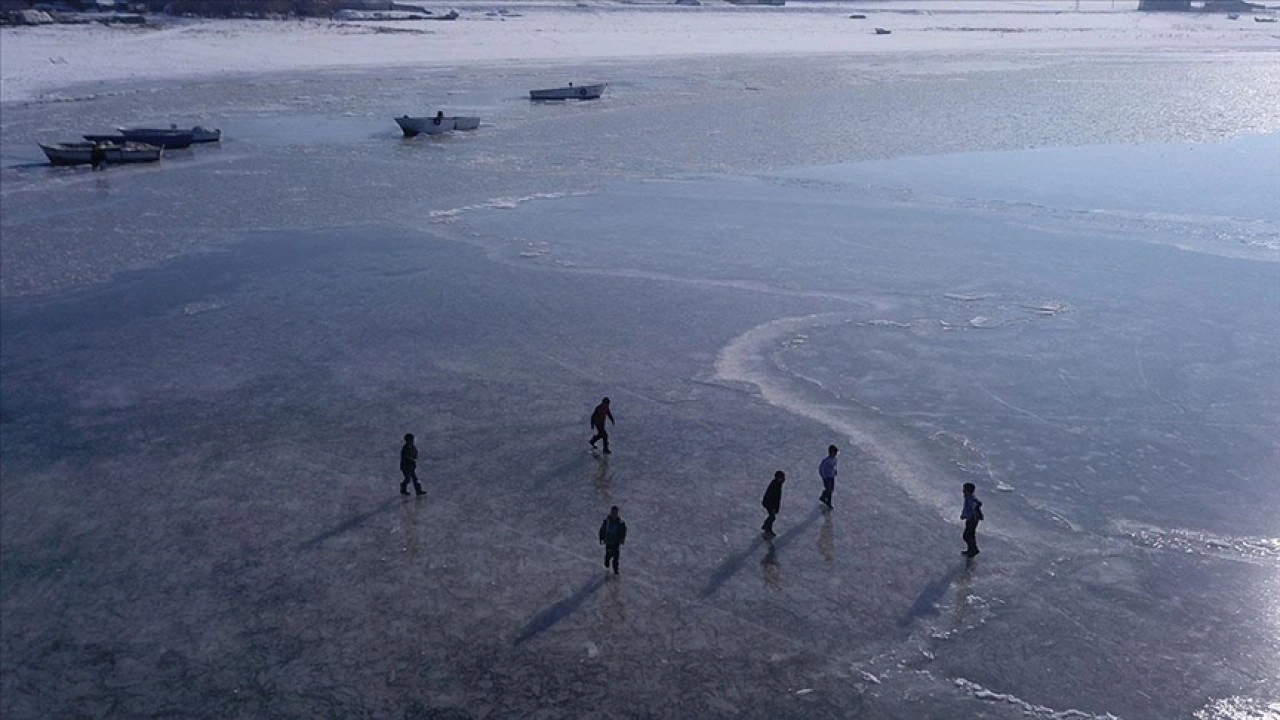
pixel 38 60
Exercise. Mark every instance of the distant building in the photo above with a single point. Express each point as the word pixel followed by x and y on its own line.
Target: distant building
pixel 365 5
pixel 1231 6
pixel 1225 6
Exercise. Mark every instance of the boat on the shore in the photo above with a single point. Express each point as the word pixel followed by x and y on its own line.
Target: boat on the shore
pixel 435 124
pixel 81 153
pixel 167 139
pixel 199 133
pixel 569 92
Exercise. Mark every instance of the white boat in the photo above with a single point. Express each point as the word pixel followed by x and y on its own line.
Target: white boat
pixel 570 92
pixel 81 153
pixel 202 134
pixel 436 124
pixel 432 125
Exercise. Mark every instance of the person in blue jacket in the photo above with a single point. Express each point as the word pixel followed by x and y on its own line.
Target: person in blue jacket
pixel 613 532
pixel 827 471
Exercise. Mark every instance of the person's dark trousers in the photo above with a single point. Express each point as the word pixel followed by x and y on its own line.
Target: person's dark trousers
pixel 601 435
pixel 828 487
pixel 768 522
pixel 611 551
pixel 410 474
pixel 971 536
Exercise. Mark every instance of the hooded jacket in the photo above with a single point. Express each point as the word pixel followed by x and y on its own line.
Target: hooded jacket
pixel 772 500
pixel 613 531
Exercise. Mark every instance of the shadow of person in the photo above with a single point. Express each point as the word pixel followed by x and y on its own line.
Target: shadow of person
pixel 409 522
pixel 734 563
pixel 826 539
pixel 603 480
pixel 926 603
pixel 729 568
pixel 964 590
pixel 770 568
pixel 348 524
pixel 613 608
pixel 550 616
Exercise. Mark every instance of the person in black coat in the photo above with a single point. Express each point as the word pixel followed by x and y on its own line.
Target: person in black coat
pixel 409 466
pixel 598 416
pixel 98 156
pixel 772 501
pixel 613 532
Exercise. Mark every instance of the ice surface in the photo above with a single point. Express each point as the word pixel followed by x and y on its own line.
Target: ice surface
pixel 207 367
pixel 34 62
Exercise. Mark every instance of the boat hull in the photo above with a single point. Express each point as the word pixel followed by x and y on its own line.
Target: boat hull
pixel 572 92
pixel 81 153
pixel 199 133
pixel 412 126
pixel 167 139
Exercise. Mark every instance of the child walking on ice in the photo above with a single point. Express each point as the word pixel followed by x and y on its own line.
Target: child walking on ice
pixel 972 515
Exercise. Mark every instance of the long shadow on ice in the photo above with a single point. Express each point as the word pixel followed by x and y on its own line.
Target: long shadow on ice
pixel 734 563
pixel 557 612
pixel 926 603
pixel 348 524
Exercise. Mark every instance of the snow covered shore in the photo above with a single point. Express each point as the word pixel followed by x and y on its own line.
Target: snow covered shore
pixel 35 61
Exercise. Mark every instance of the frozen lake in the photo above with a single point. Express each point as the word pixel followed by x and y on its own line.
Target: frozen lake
pixel 1056 278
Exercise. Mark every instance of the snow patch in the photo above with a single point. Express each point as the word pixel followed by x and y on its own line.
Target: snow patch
pixel 1034 710
pixel 1239 708
pixel 502 203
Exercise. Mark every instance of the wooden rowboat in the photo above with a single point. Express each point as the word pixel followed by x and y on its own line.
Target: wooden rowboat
pixel 81 153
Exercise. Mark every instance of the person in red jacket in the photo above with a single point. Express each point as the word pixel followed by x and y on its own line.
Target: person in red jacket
pixel 598 416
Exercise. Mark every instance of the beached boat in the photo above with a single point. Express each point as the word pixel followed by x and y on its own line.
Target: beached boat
pixel 199 133
pixel 883 31
pixel 570 92
pixel 1257 18
pixel 167 139
pixel 202 134
pixel 81 153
